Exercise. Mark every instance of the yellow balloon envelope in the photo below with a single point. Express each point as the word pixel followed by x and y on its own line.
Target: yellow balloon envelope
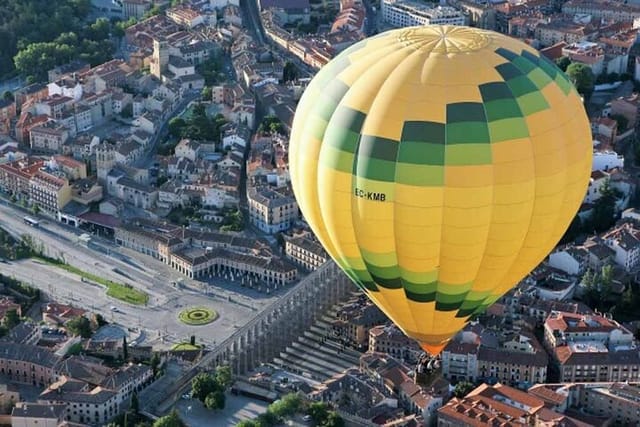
pixel 438 166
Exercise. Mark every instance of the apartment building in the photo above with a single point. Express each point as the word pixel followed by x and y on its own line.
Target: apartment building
pixel 408 13
pixel 515 358
pixel 153 243
pixel 15 176
pixel 48 138
pixel 49 192
pixel 501 405
pixel 27 364
pixel 610 10
pixel 271 211
pixel 305 251
pixel 587 348
pixel 391 340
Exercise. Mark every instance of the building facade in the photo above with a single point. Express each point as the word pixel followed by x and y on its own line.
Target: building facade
pixel 407 13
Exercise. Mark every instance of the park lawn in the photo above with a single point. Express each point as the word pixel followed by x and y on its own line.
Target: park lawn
pixel 116 290
pixel 184 346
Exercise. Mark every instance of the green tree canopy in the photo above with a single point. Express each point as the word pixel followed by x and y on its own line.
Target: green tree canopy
pixel 462 389
pixel 290 72
pixel 11 318
pixel 215 400
pixel 333 420
pixel 288 405
pixel 176 125
pixel 603 214
pixel 202 385
pixel 79 325
pixel 206 93
pixel 582 78
pixel 563 62
pixel 224 377
pixel 319 411
pixel 171 420
pixel 271 124
pixel 23 22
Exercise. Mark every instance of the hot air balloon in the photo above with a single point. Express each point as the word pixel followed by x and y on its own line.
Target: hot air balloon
pixel 439 165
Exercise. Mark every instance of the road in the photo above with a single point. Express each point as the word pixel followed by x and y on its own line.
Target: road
pixel 145 160
pixel 234 304
pixel 254 24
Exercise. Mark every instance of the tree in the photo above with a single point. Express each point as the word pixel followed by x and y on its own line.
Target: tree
pixel 155 363
pixel 11 318
pixel 271 124
pixel 563 62
pixel 100 321
pixel 161 180
pixel 248 423
pixel 125 348
pixel 319 411
pixel 23 22
pixel 209 70
pixel 155 10
pixel 606 281
pixel 333 420
pixel 233 222
pixel 215 400
pixel 267 419
pixel 288 405
pixel 79 325
pixel 202 385
pixel 99 30
pixel 171 420
pixel 176 126
pixel 582 78
pixel 462 389
pixel 224 377
pixel 575 228
pixel 8 96
pixel 206 93
pixel 290 72
pixel 603 214
pixel 135 403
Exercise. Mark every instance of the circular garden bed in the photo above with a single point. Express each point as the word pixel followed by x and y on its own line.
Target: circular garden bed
pixel 197 316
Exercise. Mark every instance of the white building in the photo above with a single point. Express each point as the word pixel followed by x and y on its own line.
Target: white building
pixel 597 181
pixel 571 260
pixel 188 149
pixel 407 13
pixel 235 135
pixel 66 87
pixel 218 198
pixel 605 160
pixel 625 242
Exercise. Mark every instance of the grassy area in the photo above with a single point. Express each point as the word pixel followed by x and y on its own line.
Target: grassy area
pixel 116 290
pixel 184 346
pixel 197 316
